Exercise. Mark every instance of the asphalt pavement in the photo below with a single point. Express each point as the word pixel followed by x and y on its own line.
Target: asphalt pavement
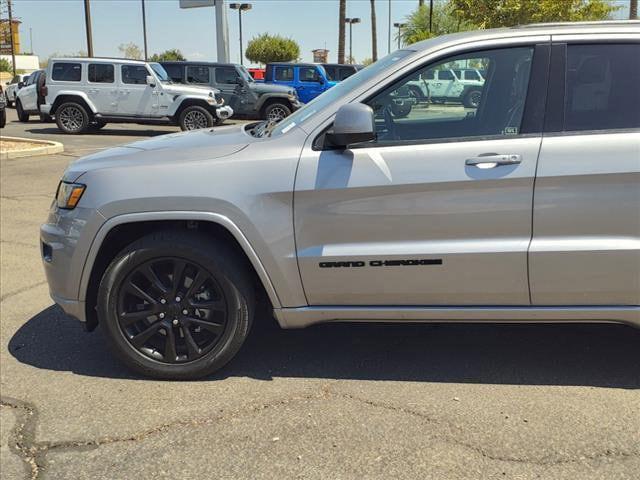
pixel 337 401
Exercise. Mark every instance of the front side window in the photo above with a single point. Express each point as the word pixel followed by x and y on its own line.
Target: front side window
pixel 226 75
pixel 134 74
pixel 66 72
pixel 332 72
pixel 309 74
pixel 445 75
pixel 198 74
pixel 471 75
pixel 494 107
pixel 101 73
pixel 602 87
pixel 284 74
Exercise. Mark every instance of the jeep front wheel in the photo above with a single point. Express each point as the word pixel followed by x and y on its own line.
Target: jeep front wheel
pixel 472 99
pixel 195 117
pixel 22 116
pixel 72 118
pixel 275 112
pixel 176 305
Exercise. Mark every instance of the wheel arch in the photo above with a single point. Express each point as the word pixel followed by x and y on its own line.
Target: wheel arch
pixel 78 97
pixel 120 231
pixel 269 98
pixel 188 102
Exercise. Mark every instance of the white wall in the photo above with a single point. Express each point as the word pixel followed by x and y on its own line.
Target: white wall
pixel 29 63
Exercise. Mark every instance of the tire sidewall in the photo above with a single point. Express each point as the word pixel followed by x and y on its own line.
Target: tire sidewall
pixel 190 108
pixel 23 117
pixel 237 292
pixel 273 105
pixel 85 118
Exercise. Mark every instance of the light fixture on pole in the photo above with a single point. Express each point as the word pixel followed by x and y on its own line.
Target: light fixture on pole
pixel 240 7
pixel 351 21
pixel 399 26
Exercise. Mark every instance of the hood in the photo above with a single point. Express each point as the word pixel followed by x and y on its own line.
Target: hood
pixel 198 145
pixel 182 89
pixel 262 88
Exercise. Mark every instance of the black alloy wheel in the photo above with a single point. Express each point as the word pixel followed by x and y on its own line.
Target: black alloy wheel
pixel 172 310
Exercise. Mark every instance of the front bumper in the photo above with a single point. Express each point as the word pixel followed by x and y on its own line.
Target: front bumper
pixel 224 112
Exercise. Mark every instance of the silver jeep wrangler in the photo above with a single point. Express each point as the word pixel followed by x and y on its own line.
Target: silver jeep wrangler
pixel 87 93
pixel 524 209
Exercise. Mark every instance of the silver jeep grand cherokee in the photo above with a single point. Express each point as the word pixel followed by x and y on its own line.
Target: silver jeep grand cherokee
pixel 524 208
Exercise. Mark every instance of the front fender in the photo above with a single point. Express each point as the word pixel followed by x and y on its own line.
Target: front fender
pixel 180 99
pixel 268 96
pixel 176 215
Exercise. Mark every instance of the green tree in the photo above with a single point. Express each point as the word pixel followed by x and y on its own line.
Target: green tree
pixel 444 21
pixel 507 13
pixel 171 55
pixel 5 65
pixel 267 48
pixel 367 61
pixel 130 50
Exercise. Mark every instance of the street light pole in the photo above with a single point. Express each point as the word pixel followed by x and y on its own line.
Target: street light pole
pixel 87 23
pixel 240 7
pixel 144 32
pixel 13 48
pixel 399 26
pixel 430 16
pixel 351 21
pixel 389 31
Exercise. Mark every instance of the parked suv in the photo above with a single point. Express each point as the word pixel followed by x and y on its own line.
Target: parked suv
pixel 446 84
pixel 31 96
pixel 524 209
pixel 308 79
pixel 16 83
pixel 238 88
pixel 339 71
pixel 88 93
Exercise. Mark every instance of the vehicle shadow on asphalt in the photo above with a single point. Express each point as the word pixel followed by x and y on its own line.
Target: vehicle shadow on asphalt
pixel 106 131
pixel 605 355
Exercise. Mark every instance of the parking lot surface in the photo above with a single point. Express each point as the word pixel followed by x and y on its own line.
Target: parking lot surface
pixel 329 402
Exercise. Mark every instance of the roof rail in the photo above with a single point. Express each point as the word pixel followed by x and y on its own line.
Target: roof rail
pixel 578 24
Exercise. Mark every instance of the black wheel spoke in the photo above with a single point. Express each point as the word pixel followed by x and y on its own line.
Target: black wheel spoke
pixel 193 350
pixel 153 278
pixel 170 351
pixel 177 277
pixel 133 289
pixel 197 282
pixel 213 327
pixel 215 305
pixel 141 338
pixel 129 318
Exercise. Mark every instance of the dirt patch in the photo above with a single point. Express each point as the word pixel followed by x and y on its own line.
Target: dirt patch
pixel 12 145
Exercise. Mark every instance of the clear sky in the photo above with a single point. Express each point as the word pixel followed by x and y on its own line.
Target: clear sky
pixel 58 25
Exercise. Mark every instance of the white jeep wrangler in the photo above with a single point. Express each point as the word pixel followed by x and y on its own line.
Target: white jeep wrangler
pixel 88 93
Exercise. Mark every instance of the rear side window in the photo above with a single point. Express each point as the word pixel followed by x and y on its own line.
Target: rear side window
pixel 331 72
pixel 101 73
pixel 602 87
pixel 134 74
pixel 346 73
pixel 198 74
pixel 66 72
pixel 284 74
pixel 226 75
pixel 309 74
pixel 445 75
pixel 174 71
pixel 471 75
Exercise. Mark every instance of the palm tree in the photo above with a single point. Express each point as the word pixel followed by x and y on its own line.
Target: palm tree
pixel 374 35
pixel 633 9
pixel 343 15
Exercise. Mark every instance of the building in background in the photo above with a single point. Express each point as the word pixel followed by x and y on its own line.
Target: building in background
pixel 5 36
pixel 320 55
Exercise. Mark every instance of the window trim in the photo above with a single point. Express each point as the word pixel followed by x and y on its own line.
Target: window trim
pixel 123 65
pixel 186 74
pixel 101 83
pixel 71 63
pixel 539 68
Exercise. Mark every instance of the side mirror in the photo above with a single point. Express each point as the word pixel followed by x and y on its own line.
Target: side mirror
pixel 151 81
pixel 354 123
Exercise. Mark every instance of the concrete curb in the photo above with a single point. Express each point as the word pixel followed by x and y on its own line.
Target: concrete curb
pixel 48 148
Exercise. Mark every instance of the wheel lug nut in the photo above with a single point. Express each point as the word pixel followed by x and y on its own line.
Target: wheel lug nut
pixel 185 311
pixel 175 321
pixel 163 301
pixel 178 299
pixel 161 315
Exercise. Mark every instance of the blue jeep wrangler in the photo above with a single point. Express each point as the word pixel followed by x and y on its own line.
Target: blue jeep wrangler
pixel 309 79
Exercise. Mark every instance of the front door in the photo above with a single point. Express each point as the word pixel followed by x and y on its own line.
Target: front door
pixel 229 83
pixel 436 211
pixel 586 224
pixel 310 84
pixel 135 96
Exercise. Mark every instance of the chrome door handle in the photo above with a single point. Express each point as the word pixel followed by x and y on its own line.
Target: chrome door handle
pixel 492 160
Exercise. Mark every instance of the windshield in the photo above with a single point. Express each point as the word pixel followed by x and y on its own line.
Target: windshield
pixel 162 74
pixel 246 75
pixel 335 93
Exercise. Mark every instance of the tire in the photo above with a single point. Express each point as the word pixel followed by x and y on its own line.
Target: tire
pixel 45 118
pixel 72 118
pixel 416 92
pixel 97 125
pixel 472 98
pixel 229 285
pixel 400 110
pixel 3 118
pixel 276 111
pixel 22 116
pixel 7 101
pixel 195 117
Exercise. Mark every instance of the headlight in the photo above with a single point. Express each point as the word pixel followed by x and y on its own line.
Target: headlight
pixel 69 195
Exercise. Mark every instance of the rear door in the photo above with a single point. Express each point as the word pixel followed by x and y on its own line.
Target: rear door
pixel 437 210
pixel 102 88
pixel 586 244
